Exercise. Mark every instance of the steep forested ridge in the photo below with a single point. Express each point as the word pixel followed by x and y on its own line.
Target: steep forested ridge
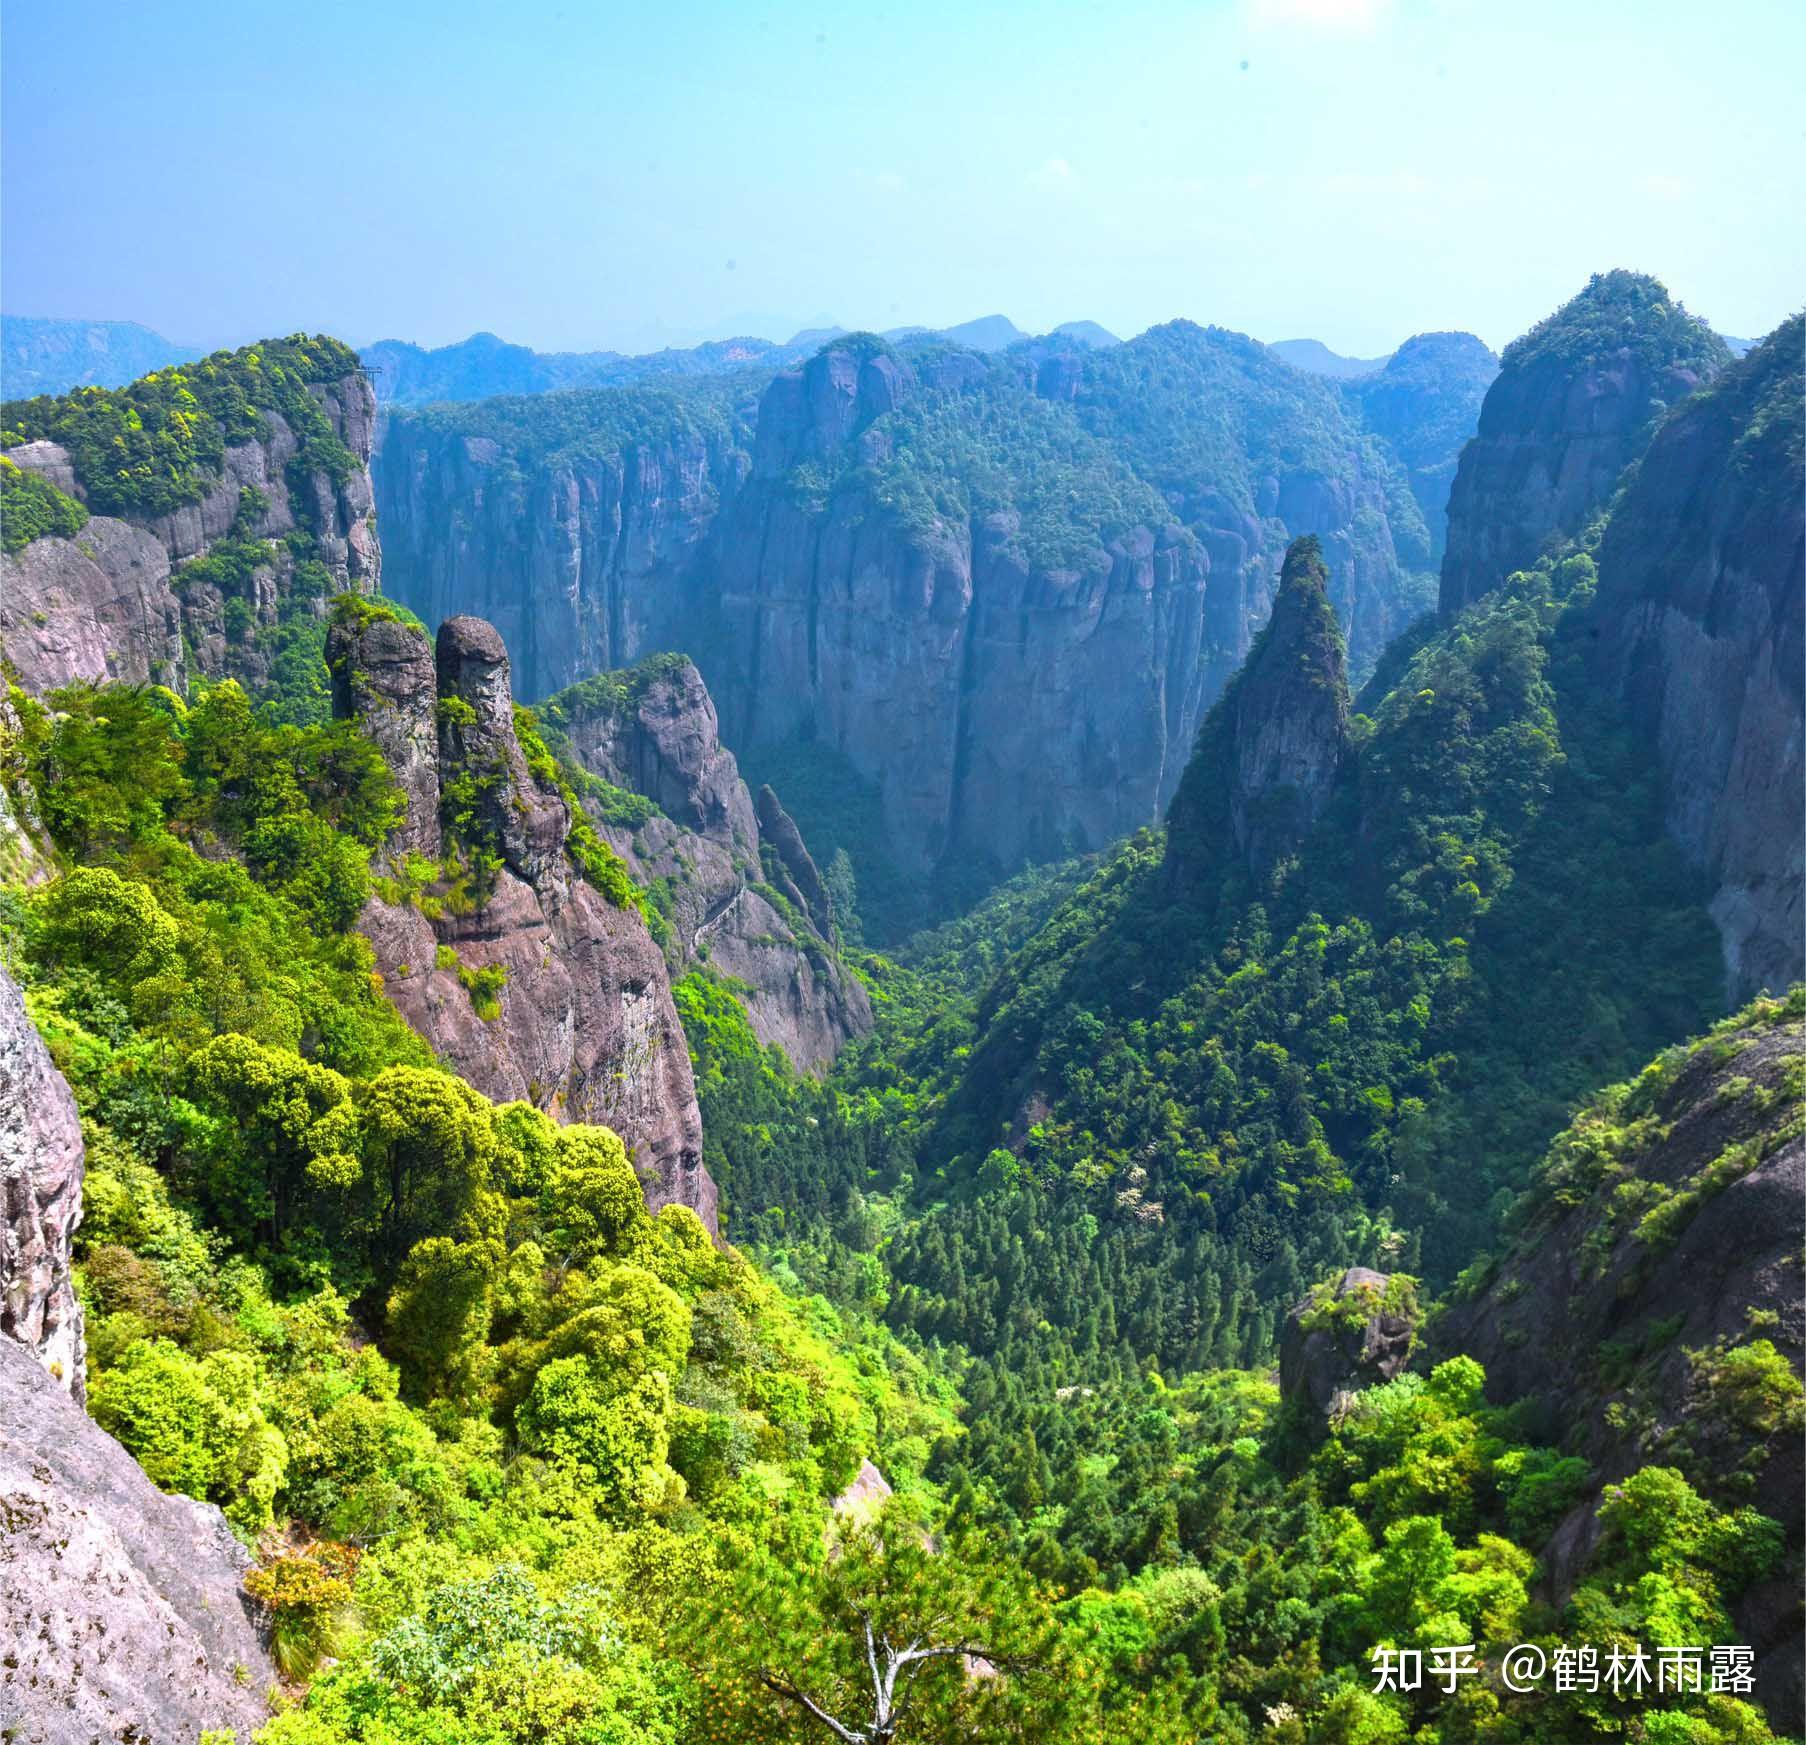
pixel 1425 402
pixel 1575 401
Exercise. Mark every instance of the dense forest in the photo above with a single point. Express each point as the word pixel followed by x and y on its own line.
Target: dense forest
pixel 1151 1328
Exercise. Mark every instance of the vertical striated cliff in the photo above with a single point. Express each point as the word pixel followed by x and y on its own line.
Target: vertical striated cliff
pixel 1700 626
pixel 1271 750
pixel 741 889
pixel 579 527
pixel 199 558
pixel 526 979
pixel 1575 402
pixel 1001 590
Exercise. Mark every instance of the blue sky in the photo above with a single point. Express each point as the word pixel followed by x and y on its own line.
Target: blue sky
pixel 584 175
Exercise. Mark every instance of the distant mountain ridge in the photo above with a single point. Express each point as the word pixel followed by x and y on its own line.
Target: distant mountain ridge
pixel 51 355
pixel 1315 356
pixel 483 366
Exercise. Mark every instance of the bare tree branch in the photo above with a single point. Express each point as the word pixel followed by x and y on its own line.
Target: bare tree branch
pixel 781 1686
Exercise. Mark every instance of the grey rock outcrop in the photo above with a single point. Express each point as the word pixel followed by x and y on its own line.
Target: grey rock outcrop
pixel 105 603
pixel 653 731
pixel 1573 405
pixel 1348 1336
pixel 98 606
pixel 40 1198
pixel 1273 746
pixel 1700 626
pixel 584 1025
pixel 122 1611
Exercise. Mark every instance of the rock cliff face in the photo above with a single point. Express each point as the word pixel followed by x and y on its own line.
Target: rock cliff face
pixel 1664 1233
pixel 121 1611
pixel 111 602
pixel 1002 590
pixel 1273 746
pixel 1573 405
pixel 40 1198
pixel 122 1615
pixel 1699 626
pixel 745 896
pixel 586 555
pixel 1425 401
pixel 580 1016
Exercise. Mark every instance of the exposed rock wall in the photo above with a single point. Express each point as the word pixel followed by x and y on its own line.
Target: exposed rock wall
pixel 1573 405
pixel 582 562
pixel 584 1026
pixel 1701 628
pixel 1005 707
pixel 1004 714
pixel 745 895
pixel 1351 1335
pixel 122 1611
pixel 102 605
pixel 40 1198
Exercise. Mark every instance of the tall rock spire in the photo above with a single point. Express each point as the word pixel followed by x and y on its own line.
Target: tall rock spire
pixel 1270 750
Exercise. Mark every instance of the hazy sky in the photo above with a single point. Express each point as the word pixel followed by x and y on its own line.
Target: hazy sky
pixel 585 175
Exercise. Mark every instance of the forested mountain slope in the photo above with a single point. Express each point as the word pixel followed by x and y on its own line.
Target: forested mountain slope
pixel 528 1462
pixel 1648 1303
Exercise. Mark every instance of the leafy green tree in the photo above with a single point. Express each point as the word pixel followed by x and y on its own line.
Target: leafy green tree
pixel 440 1314
pixel 615 1439
pixel 428 1143
pixel 293 1134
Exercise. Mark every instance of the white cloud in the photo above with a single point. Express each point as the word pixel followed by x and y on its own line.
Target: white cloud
pixel 1353 16
pixel 891 181
pixel 1055 173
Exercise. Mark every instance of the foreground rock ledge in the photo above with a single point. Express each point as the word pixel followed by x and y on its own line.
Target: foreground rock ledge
pixel 122 1615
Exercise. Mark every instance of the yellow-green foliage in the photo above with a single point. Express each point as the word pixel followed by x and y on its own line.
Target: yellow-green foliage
pixel 31 507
